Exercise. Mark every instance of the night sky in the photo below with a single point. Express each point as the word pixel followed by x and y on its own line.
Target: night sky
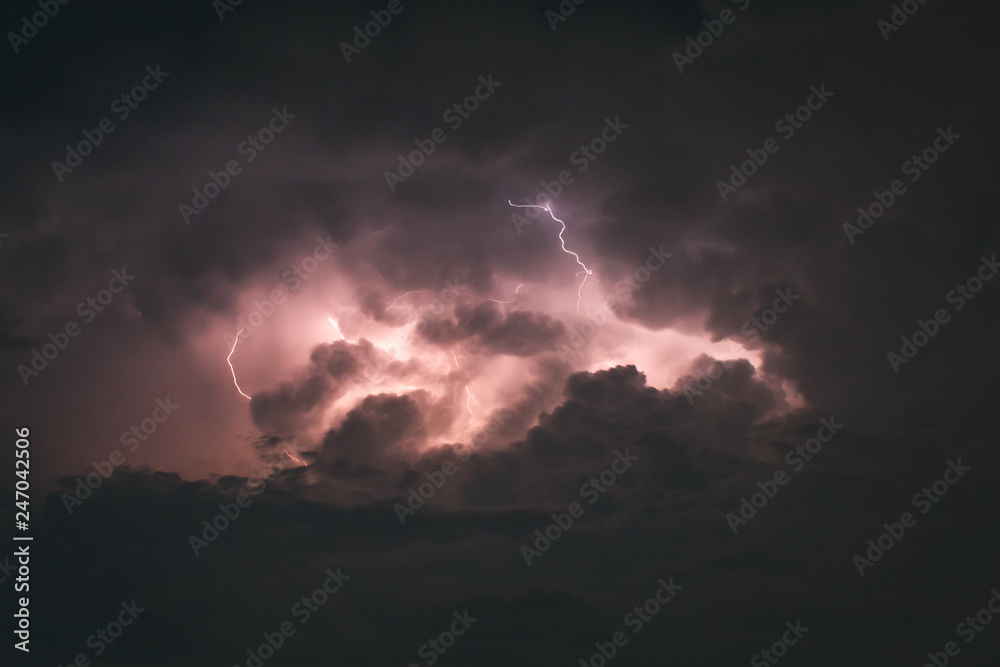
pixel 546 333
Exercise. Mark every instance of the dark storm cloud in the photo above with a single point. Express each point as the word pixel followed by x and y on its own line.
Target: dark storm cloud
pixel 335 179
pixel 656 184
pixel 332 369
pixel 671 169
pixel 377 429
pixel 491 331
pixel 785 227
pixel 537 476
pixel 662 518
pixel 601 414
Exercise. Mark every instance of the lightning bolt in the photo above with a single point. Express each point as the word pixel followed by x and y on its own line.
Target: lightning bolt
pixel 228 361
pixel 470 400
pixel 295 458
pixel 585 272
pixel 393 304
pixel 501 302
pixel 334 323
pixel 481 299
